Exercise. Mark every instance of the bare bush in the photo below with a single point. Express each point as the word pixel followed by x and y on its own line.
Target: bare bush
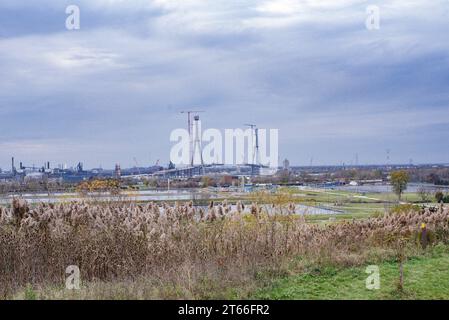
pixel 182 248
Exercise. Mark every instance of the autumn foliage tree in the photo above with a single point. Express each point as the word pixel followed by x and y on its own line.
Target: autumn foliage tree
pixel 399 181
pixel 99 186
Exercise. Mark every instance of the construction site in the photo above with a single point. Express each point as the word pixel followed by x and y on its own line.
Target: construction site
pixel 196 166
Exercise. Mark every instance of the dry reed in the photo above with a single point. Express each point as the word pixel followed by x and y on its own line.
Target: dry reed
pixel 185 247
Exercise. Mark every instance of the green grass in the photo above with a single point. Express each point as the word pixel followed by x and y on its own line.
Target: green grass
pixel 425 277
pixel 357 205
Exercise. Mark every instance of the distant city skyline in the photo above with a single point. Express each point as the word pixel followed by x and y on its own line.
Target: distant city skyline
pixel 112 91
pixel 131 165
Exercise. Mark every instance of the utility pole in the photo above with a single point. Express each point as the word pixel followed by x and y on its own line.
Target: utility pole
pixel 137 165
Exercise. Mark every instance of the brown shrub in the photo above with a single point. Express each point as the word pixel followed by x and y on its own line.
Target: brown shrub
pixel 180 246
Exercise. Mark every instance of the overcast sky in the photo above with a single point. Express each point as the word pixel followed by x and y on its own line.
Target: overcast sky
pixel 112 91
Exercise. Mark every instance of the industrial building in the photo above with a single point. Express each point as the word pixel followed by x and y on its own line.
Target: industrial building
pixel 197 167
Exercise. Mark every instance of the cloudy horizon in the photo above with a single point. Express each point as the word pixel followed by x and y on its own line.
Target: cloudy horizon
pixel 112 91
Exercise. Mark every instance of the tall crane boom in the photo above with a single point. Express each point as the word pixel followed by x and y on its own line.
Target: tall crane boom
pixel 189 119
pixel 190 127
pixel 254 133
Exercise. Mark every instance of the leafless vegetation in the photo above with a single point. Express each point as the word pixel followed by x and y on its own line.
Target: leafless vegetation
pixel 186 252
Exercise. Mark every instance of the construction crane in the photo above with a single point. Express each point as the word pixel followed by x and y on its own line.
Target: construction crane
pixel 254 132
pixel 189 119
pixel 190 128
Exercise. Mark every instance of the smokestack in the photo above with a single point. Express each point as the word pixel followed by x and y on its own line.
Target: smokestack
pixel 12 164
pixel 118 171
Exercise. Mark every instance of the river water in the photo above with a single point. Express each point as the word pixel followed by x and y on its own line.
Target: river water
pixel 386 188
pixel 145 196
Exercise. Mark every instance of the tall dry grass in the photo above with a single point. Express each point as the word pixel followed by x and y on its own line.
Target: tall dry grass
pixel 184 251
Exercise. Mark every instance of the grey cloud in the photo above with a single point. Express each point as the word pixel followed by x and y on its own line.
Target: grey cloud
pixel 113 90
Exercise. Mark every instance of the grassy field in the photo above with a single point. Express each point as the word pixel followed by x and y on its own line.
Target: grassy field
pixel 126 250
pixel 425 277
pixel 352 204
